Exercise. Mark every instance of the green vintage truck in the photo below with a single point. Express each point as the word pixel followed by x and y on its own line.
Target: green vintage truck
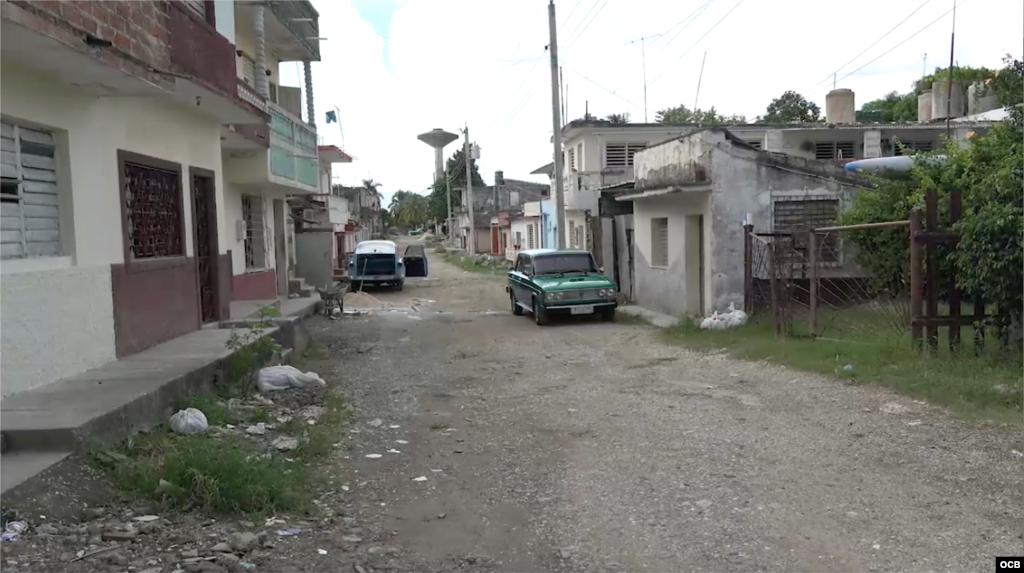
pixel 546 282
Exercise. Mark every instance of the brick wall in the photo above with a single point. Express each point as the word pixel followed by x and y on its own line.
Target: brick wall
pixel 138 30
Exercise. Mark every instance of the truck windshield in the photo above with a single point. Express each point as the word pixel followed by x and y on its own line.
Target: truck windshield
pixel 564 263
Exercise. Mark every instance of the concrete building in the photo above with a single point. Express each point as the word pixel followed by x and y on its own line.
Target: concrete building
pixel 266 164
pixel 599 154
pixel 116 234
pixel 689 201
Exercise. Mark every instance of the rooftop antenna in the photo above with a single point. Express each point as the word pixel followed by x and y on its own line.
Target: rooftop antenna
pixel 699 79
pixel 924 65
pixel 643 63
pixel 949 80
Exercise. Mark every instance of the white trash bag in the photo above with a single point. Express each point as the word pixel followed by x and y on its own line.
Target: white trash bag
pixel 189 421
pixel 274 378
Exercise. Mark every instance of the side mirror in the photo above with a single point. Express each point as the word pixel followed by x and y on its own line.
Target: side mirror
pixel 600 270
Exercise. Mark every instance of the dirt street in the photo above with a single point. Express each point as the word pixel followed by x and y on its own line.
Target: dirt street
pixel 593 446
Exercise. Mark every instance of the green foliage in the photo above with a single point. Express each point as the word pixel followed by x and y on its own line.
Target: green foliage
pixel 894 107
pixel 455 171
pixel 618 118
pixel 682 115
pixel 989 172
pixel 251 348
pixel 965 76
pixel 409 210
pixel 222 475
pixel 791 107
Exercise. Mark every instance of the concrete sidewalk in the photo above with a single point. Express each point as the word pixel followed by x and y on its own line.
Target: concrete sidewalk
pixel 656 318
pixel 106 404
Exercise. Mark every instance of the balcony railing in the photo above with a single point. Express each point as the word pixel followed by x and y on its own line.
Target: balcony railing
pixel 293 153
pixel 303 21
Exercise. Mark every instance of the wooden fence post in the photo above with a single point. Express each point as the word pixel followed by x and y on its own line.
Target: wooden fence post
pixel 931 278
pixel 772 266
pixel 812 262
pixel 748 269
pixel 915 280
pixel 955 210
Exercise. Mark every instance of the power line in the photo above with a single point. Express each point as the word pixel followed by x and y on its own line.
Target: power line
pixel 603 87
pixel 699 40
pixel 596 2
pixel 885 53
pixel 596 14
pixel 699 12
pixel 526 32
pixel 571 12
pixel 884 36
pixel 514 94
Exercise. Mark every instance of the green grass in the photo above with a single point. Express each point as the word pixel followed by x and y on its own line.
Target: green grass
pixel 988 387
pixel 216 475
pixel 470 264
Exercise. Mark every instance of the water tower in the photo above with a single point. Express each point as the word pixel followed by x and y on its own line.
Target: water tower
pixel 437 138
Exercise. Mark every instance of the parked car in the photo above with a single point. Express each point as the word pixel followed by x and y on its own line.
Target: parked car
pixel 376 263
pixel 546 282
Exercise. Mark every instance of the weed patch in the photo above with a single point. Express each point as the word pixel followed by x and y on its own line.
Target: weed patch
pixel 473 265
pixel 226 474
pixel 978 388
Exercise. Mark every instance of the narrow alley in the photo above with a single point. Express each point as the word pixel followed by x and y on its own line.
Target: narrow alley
pixel 593 446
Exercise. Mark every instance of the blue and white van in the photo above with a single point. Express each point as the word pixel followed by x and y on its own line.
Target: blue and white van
pixel 376 263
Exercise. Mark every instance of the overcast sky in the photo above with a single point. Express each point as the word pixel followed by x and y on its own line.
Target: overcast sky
pixel 395 69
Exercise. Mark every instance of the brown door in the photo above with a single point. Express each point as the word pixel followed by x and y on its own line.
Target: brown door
pixel 204 221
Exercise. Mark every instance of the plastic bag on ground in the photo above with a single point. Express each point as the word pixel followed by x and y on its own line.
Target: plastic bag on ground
pixel 275 378
pixel 189 421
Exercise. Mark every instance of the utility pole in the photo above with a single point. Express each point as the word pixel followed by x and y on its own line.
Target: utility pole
pixel 556 122
pixel 643 63
pixel 468 152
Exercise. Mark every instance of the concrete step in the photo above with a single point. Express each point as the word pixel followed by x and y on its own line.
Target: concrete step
pixel 18 467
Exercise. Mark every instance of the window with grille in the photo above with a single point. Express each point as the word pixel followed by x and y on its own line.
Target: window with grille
pixel 529 236
pixel 830 150
pixel 519 240
pixel 580 243
pixel 754 144
pixel 572 234
pixel 571 159
pixel 621 154
pixel 153 206
pixel 255 232
pixel 248 70
pixel 659 242
pixel 29 212
pixel 909 147
pixel 801 214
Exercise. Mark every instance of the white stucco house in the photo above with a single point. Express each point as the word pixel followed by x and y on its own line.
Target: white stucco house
pixel 118 231
pixel 690 199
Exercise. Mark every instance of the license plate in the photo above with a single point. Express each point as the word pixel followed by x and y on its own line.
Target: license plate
pixel 585 309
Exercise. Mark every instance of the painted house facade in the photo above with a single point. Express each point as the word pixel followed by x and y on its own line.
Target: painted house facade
pixel 690 199
pixel 266 164
pixel 114 229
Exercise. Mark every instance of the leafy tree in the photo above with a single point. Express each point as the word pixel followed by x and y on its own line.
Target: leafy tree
pixel 682 115
pixel 791 107
pixel 409 210
pixel 893 107
pixel 989 172
pixel 455 171
pixel 618 118
pixel 965 76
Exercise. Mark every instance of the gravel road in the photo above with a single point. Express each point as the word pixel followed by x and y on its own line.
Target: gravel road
pixel 588 446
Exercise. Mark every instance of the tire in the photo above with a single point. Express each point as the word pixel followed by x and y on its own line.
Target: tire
pixel 516 309
pixel 608 314
pixel 540 316
pixel 399 286
pixel 354 286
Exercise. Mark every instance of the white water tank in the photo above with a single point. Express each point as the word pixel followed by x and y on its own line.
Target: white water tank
pixel 956 100
pixel 978 103
pixel 924 107
pixel 840 106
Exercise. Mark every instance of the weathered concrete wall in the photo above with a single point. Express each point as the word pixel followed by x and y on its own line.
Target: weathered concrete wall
pixel 624 224
pixel 677 162
pixel 673 289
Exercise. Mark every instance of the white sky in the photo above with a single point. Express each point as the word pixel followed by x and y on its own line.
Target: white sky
pixel 456 62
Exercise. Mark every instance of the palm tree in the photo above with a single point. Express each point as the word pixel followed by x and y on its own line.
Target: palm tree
pixel 370 188
pixel 618 118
